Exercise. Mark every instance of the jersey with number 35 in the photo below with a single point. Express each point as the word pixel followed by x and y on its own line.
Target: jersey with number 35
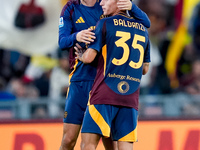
pixel 123 44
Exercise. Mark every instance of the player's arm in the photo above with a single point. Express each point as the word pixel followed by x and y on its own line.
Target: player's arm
pixel 89 55
pixel 86 57
pixel 147 59
pixel 134 11
pixel 66 38
pixel 145 68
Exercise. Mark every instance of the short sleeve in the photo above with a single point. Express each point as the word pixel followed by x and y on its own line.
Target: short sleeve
pixel 147 53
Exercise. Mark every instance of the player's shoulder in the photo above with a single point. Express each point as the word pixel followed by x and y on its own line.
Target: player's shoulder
pixel 69 6
pixel 101 22
pixel 71 3
pixel 105 19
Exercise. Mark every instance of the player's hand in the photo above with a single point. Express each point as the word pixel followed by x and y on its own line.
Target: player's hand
pixel 85 36
pixel 79 51
pixel 124 4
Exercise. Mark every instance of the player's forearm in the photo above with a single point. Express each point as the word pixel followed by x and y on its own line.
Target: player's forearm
pixel 67 41
pixel 137 13
pixel 89 55
pixel 67 36
pixel 85 59
pixel 145 68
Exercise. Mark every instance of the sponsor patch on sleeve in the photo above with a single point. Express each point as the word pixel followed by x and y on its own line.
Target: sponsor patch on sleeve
pixel 61 23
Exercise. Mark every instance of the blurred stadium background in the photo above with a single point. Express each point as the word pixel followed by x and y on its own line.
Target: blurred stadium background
pixel 34 75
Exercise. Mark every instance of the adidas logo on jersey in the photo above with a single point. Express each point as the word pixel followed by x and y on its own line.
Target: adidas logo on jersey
pixel 80 20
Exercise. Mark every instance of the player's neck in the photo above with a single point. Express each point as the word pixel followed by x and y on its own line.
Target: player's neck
pixel 89 3
pixel 116 12
pixel 122 12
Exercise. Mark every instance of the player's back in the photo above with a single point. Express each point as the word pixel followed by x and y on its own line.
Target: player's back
pixel 126 41
pixel 125 45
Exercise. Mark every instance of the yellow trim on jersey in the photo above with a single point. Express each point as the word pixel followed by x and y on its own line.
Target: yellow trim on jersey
pixel 125 15
pixel 97 117
pixel 71 74
pixel 68 90
pixel 104 54
pixel 131 137
pixel 80 20
pixel 89 98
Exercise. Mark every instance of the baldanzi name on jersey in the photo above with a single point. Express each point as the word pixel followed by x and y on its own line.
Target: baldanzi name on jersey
pixel 126 23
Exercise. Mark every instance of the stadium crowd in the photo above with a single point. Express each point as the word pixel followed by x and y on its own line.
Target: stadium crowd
pixel 23 76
